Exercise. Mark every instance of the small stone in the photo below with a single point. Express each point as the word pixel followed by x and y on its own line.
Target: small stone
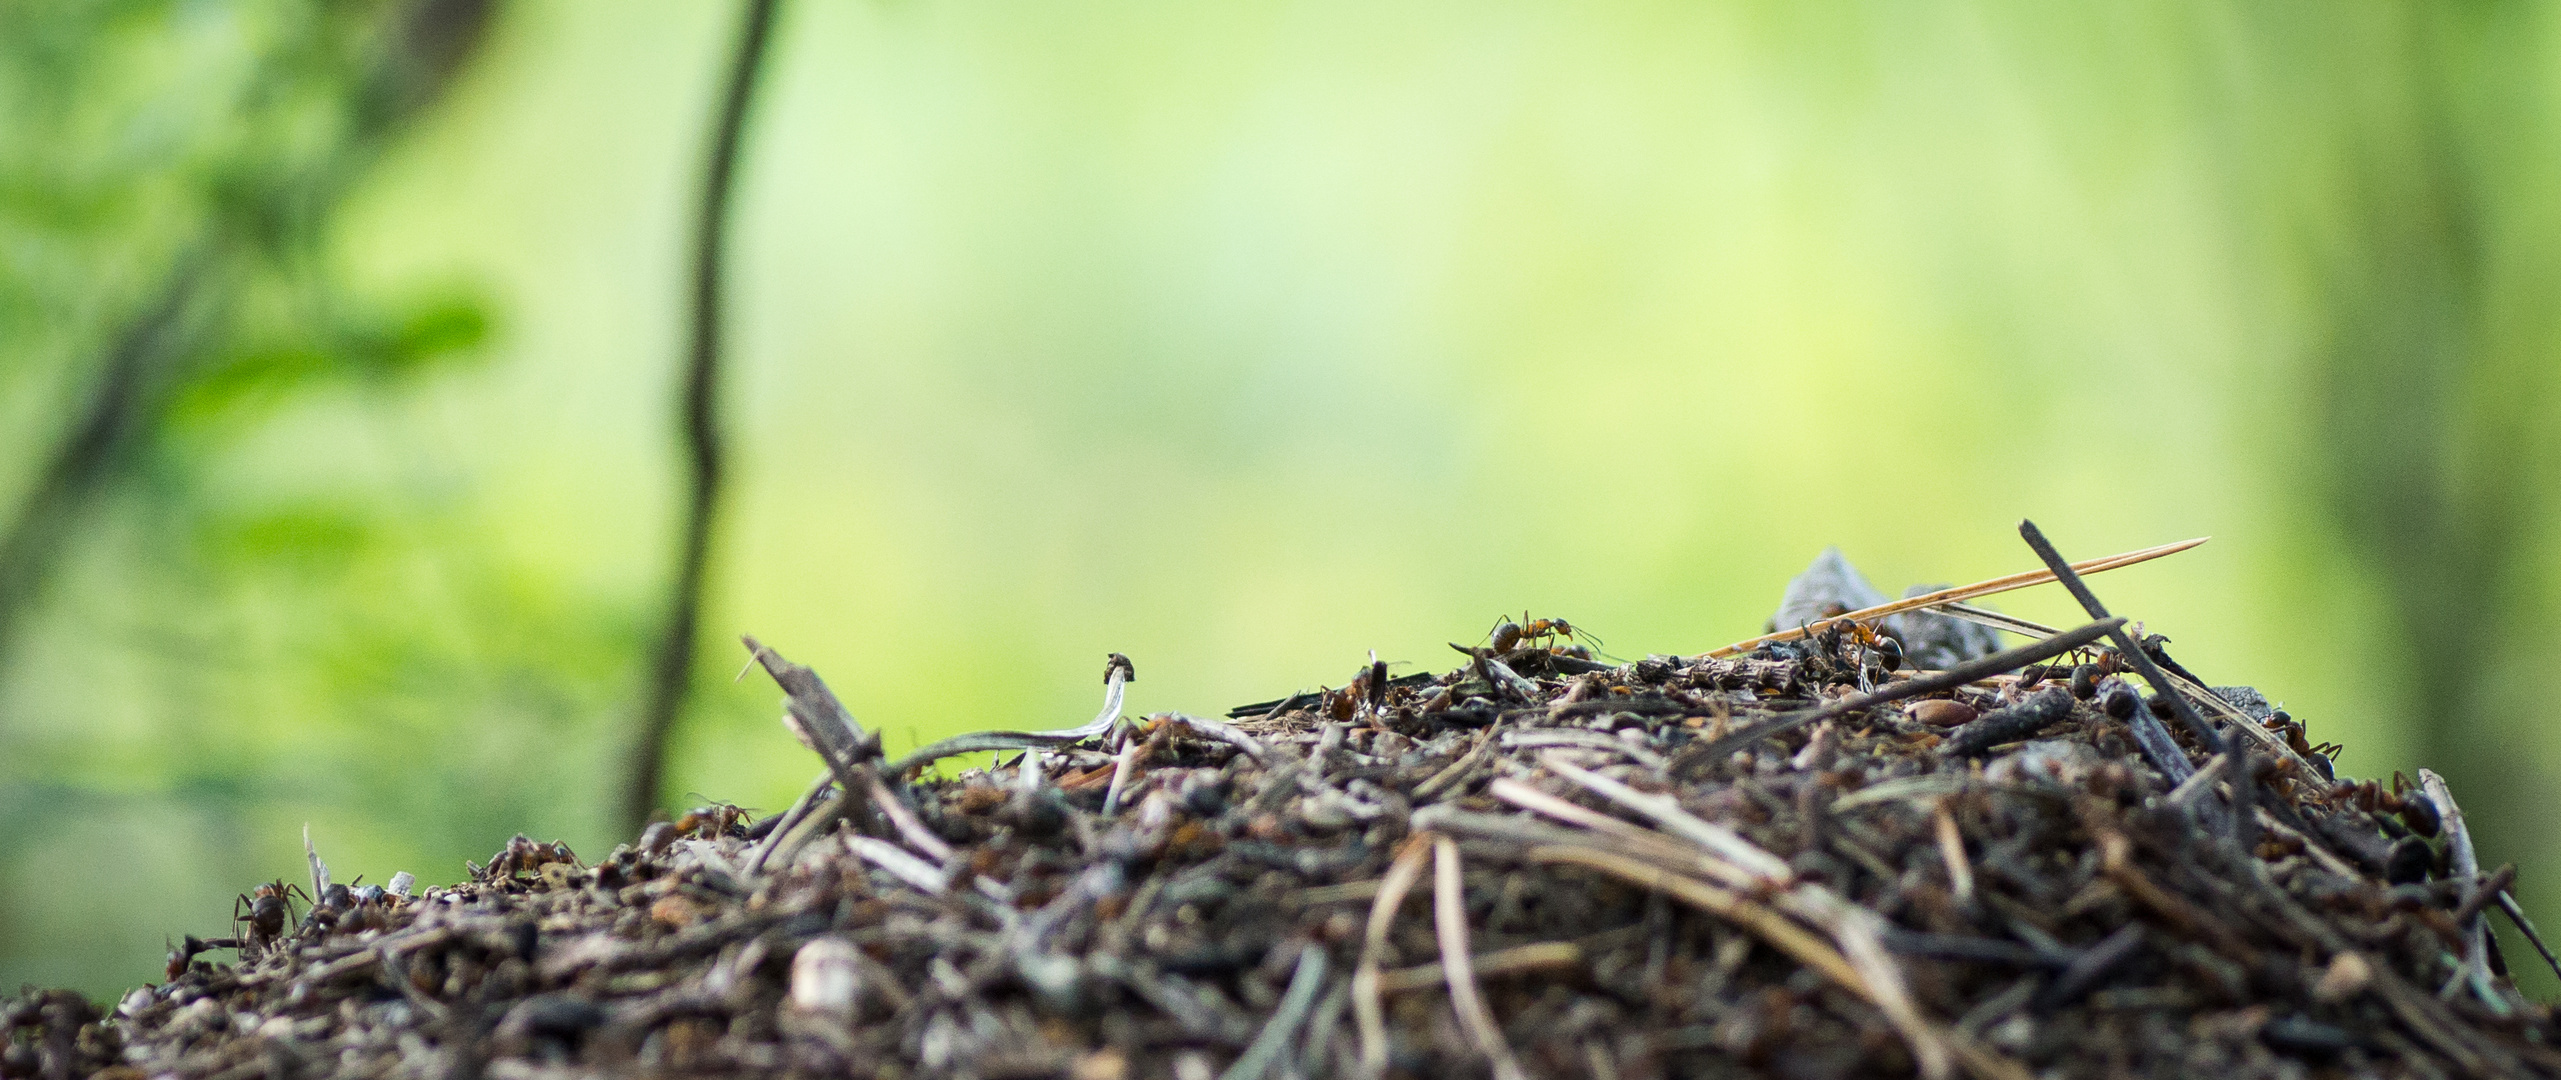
pixel 2348 974
pixel 826 977
pixel 1941 712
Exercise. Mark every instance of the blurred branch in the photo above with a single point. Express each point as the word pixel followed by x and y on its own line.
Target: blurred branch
pixel 128 382
pixel 146 362
pixel 699 433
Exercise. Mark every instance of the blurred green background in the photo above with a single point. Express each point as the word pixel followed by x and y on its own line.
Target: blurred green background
pixel 1240 338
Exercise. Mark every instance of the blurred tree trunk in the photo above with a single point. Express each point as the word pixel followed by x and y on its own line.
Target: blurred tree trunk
pixel 698 432
pixel 2433 368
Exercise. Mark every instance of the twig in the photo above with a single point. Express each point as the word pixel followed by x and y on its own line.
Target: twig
pixel 1666 811
pixel 1221 731
pixel 1122 766
pixel 1962 592
pixel 1727 904
pixel 2516 914
pixel 1117 672
pixel 2466 864
pixel 1960 873
pixel 699 432
pixel 904 820
pixel 1699 753
pixel 1367 1012
pixel 1267 1047
pixel 2242 825
pixel 319 870
pixel 2476 897
pixel 925 876
pixel 1536 956
pixel 1584 740
pixel 1477 751
pixel 821 722
pixel 799 808
pixel 1449 909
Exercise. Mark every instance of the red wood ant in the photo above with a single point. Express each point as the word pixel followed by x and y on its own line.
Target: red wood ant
pixel 2297 738
pixel 2416 812
pixel 267 909
pixel 1508 635
pixel 709 822
pixel 524 857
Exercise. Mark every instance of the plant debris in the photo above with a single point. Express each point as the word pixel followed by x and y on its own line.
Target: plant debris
pixel 1803 860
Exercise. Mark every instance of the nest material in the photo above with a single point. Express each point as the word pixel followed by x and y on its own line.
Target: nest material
pixel 1526 866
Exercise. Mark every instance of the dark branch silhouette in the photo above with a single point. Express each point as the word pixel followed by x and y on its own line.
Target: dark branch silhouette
pixel 700 431
pixel 149 359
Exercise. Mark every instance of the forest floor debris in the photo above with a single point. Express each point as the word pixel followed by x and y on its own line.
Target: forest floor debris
pixel 1800 860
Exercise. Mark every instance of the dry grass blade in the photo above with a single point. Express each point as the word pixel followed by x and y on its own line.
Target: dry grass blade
pixel 1725 843
pixel 1975 591
pixel 1651 844
pixel 1734 907
pixel 1862 942
pixel 1960 873
pixel 1367 1012
pixel 1517 960
pixel 1449 911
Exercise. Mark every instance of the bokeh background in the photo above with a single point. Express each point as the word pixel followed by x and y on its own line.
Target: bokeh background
pixel 340 344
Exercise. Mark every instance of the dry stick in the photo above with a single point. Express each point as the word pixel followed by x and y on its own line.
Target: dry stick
pixel 1666 811
pixel 1267 1047
pixel 2477 898
pixel 1449 911
pixel 1727 904
pixel 1517 960
pixel 1854 928
pixel 1651 844
pixel 925 876
pixel 799 809
pixel 1221 731
pixel 1962 592
pixel 2242 826
pixel 1366 1010
pixel 2195 691
pixel 1117 672
pixel 2466 864
pixel 1859 965
pixel 2516 914
pixel 699 433
pixel 822 724
pixel 909 828
pixel 1121 768
pixel 1983 668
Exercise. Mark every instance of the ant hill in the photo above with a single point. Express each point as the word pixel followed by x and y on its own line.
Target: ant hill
pixel 1891 838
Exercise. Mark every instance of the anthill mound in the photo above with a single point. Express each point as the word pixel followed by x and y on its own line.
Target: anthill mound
pixel 1806 858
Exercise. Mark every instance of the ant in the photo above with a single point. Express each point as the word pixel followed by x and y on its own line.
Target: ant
pixel 266 909
pixel 521 856
pixel 183 956
pixel 1508 635
pixel 710 822
pixel 2415 813
pixel 2297 738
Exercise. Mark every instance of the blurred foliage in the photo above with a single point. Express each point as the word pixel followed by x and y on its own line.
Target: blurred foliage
pixel 1239 339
